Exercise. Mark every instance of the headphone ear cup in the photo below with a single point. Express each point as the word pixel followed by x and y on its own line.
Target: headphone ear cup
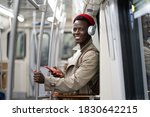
pixel 91 30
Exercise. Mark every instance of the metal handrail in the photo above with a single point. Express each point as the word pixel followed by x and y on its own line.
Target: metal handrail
pixel 12 52
pixel 34 4
pixel 39 48
pixel 42 7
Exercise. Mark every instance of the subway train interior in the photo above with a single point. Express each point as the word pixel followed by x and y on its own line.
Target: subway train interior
pixel 37 33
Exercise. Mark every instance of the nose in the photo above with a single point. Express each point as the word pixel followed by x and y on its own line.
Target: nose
pixel 78 30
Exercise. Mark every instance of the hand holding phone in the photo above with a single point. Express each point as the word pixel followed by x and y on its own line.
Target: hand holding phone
pixel 55 72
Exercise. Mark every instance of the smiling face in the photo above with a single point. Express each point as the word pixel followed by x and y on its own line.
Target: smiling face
pixel 80 32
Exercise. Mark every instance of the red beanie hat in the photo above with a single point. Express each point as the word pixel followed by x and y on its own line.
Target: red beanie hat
pixel 86 16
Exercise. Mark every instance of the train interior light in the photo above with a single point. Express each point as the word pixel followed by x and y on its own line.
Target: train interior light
pixel 8 12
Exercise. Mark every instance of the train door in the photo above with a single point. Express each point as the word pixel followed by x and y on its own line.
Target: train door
pixel 130 19
pixel 19 87
pixel 142 17
pixel 33 60
pixel 111 68
pixel 20 80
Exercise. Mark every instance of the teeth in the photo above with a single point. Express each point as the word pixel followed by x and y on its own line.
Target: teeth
pixel 77 37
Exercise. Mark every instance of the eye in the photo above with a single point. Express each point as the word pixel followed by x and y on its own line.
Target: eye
pixel 82 29
pixel 74 29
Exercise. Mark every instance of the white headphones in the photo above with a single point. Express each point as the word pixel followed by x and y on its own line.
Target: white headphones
pixel 92 27
pixel 91 30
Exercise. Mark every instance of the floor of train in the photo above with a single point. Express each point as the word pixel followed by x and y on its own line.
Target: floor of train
pixel 23 96
pixel 2 97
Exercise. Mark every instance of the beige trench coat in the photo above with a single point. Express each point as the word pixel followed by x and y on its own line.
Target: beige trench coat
pixel 82 67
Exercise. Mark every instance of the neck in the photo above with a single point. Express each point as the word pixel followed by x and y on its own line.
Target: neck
pixel 83 44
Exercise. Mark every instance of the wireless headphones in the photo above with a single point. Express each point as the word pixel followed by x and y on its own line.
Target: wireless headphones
pixel 91 30
pixel 92 27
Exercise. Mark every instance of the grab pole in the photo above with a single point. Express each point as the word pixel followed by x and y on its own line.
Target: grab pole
pixel 39 46
pixel 12 52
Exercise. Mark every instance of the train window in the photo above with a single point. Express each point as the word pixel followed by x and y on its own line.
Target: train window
pixel 20 46
pixel 68 44
pixel 44 49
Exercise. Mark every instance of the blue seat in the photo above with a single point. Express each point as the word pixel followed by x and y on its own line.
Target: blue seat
pixel 2 96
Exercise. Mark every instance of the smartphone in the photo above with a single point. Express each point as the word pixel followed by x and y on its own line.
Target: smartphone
pixel 51 70
pixel 54 71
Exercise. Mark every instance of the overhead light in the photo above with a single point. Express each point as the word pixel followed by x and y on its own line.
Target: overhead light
pixel 9 13
pixel 52 4
pixel 20 18
pixel 1 28
pixel 50 19
pixel 58 13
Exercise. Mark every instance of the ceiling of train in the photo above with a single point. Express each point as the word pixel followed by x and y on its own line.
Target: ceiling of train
pixel 26 7
pixel 79 6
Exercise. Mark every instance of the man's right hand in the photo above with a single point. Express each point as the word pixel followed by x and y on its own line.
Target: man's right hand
pixel 57 72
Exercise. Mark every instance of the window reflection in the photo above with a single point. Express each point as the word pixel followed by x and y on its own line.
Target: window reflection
pixel 68 44
pixel 20 45
pixel 44 49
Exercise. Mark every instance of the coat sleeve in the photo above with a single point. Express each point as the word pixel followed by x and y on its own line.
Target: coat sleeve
pixel 86 70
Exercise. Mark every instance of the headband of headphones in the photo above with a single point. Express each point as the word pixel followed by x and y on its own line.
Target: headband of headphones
pixel 86 16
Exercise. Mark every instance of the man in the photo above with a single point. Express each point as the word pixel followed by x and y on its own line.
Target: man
pixel 82 71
